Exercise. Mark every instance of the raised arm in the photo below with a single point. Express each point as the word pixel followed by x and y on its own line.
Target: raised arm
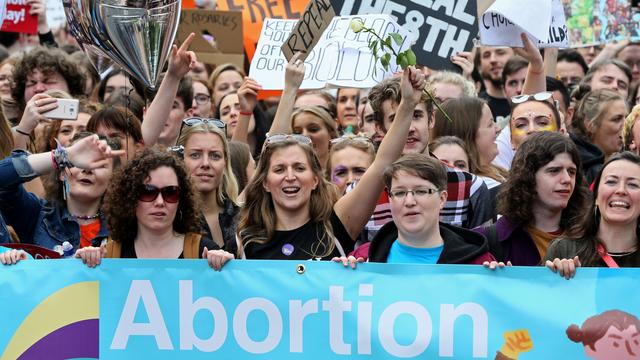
pixel 182 60
pixel 535 80
pixel 32 115
pixel 550 61
pixel 293 76
pixel 355 208
pixel 248 98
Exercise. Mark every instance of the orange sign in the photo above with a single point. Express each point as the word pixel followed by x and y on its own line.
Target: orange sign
pixel 255 11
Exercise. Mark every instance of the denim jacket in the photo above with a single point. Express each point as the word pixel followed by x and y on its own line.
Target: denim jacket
pixel 36 221
pixel 5 237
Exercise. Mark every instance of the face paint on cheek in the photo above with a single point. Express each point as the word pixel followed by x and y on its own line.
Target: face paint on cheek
pixel 518 132
pixel 334 177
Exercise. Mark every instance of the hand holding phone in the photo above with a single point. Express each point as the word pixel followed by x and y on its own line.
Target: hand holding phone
pixel 67 110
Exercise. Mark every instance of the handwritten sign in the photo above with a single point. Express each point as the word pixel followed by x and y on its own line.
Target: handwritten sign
pixel 340 58
pixel 17 19
pixel 442 27
pixel 542 20
pixel 314 20
pixel 222 28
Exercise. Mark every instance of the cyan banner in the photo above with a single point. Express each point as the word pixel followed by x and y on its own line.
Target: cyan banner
pixel 168 309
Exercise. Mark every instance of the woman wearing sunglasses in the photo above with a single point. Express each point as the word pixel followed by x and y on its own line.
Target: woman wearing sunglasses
pixel 543 197
pixel 291 211
pixel 608 233
pixel 72 208
pixel 164 222
pixel 206 156
pixel 596 128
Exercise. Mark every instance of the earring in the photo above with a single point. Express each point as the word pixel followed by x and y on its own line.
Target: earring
pixel 596 215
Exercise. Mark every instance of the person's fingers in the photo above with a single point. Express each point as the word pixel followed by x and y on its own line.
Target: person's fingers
pixel 360 260
pixel 576 260
pixel 571 269
pixel 493 265
pixel 13 256
pixel 549 264
pixel 187 42
pixel 485 264
pixel 509 263
pixel 204 253
pixel 345 261
pixel 501 264
pixel 3 259
pixel 22 255
pixel 352 261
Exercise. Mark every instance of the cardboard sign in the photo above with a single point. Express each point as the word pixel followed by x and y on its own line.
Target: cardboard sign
pixel 542 20
pixel 443 27
pixel 255 11
pixel 309 29
pixel 223 27
pixel 341 57
pixel 55 14
pixel 17 19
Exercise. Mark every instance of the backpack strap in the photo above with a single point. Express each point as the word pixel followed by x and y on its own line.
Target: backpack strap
pixel 495 248
pixel 191 246
pixel 114 249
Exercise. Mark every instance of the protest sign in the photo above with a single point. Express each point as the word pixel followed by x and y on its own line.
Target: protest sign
pixel 16 17
pixel 312 23
pixel 223 28
pixel 442 27
pixel 341 57
pixel 168 309
pixel 542 20
pixel 255 11
pixel 55 14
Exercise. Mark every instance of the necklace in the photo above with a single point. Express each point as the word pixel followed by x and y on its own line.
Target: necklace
pixel 87 217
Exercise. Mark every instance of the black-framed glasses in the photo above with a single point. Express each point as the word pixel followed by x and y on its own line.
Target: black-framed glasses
pixel 276 138
pixel 149 193
pixel 541 96
pixel 400 194
pixel 193 121
pixel 202 99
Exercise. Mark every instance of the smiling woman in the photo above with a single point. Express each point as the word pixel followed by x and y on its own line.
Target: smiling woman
pixel 608 234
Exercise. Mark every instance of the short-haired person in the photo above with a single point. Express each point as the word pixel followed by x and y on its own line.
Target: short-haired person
pixel 468 202
pixel 164 221
pixel 451 150
pixel 72 211
pixel 347 100
pixel 417 187
pixel 611 74
pixel 490 63
pixel 122 126
pixel 571 68
pixel 607 235
pixel 449 85
pixel 223 80
pixel 542 198
pixel 630 55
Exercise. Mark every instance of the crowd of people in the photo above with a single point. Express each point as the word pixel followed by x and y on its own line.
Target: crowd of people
pixel 530 159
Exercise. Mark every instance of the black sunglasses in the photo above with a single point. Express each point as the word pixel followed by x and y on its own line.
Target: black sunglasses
pixel 170 194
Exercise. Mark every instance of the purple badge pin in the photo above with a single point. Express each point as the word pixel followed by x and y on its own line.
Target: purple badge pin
pixel 287 249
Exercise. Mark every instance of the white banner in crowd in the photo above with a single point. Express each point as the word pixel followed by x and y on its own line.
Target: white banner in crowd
pixel 340 58
pixel 55 14
pixel 542 20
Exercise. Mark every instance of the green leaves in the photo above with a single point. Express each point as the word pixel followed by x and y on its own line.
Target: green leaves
pixel 396 38
pixel 411 57
pixel 385 60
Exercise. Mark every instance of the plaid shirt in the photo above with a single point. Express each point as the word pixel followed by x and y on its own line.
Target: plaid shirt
pixel 468 203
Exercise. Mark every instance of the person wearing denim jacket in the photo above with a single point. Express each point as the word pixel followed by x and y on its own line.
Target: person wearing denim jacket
pixel 5 236
pixel 49 223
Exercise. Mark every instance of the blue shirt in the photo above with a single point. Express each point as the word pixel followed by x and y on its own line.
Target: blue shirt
pixel 402 254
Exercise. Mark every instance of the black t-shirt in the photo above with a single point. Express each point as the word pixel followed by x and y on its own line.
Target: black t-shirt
pixel 302 243
pixel 128 250
pixel 500 108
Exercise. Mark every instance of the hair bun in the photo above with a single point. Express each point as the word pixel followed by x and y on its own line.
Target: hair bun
pixel 580 91
pixel 574 333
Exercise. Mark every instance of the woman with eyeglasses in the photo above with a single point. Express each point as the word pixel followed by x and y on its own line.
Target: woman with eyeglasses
pixel 608 233
pixel 202 105
pixel 164 221
pixel 596 127
pixel 205 151
pixel 542 199
pixel 291 211
pixel 72 209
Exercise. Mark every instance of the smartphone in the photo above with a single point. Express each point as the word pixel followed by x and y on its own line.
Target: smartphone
pixel 67 110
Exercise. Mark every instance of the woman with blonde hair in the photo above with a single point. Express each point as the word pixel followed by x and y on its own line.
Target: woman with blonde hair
pixel 206 156
pixel 317 124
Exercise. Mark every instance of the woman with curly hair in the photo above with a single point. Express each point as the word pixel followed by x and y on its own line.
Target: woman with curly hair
pixel 607 234
pixel 164 223
pixel 543 197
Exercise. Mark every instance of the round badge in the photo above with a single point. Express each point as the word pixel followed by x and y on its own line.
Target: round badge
pixel 287 249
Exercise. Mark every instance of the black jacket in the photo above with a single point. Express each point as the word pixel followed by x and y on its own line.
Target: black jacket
pixel 461 246
pixel 591 156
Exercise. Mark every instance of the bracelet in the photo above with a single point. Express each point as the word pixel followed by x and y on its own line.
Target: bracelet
pixel 247 113
pixel 21 132
pixel 61 157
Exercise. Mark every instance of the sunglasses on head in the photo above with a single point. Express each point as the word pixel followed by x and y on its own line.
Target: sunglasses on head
pixel 149 193
pixel 541 96
pixel 276 138
pixel 193 121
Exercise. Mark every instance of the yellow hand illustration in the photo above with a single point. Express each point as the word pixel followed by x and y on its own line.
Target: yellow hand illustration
pixel 516 342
